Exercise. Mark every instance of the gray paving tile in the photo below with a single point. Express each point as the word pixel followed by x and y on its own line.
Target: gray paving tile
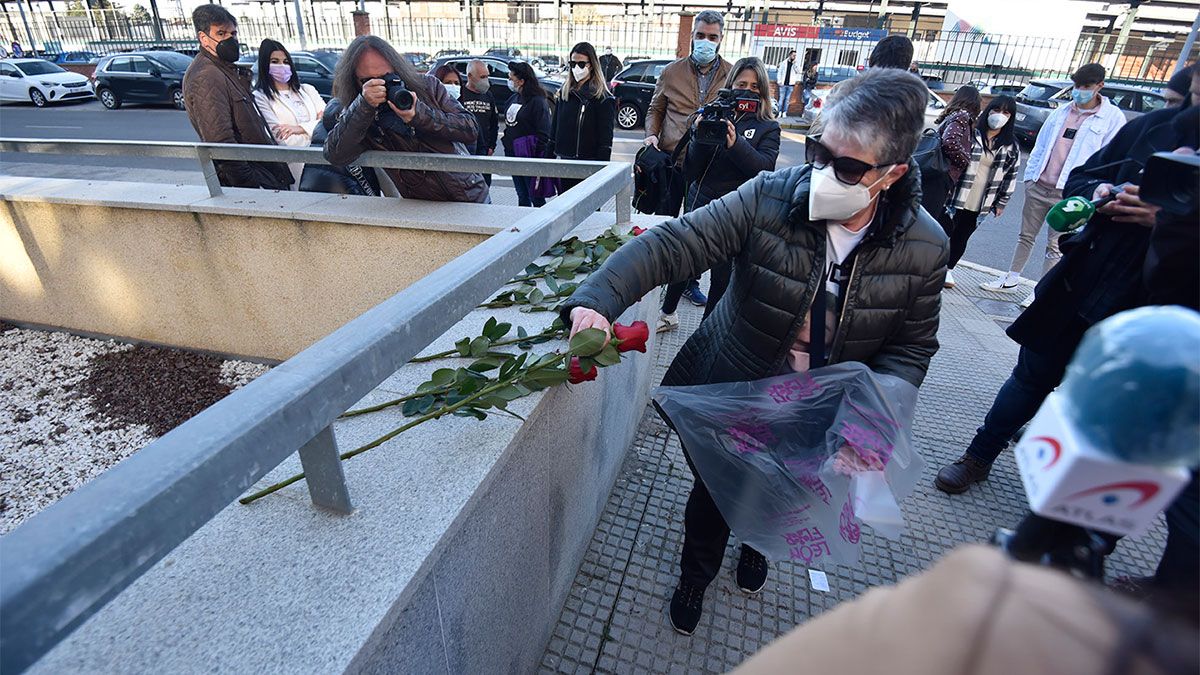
pixel 615 618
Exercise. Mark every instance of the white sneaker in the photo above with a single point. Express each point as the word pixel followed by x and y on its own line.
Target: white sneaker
pixel 1027 301
pixel 668 322
pixel 1005 283
pixel 949 279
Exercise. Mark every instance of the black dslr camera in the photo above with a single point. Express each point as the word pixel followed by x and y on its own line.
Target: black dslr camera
pixel 397 93
pixel 729 105
pixel 1169 181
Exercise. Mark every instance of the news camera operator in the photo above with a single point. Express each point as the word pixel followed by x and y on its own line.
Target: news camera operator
pixel 393 107
pixel 733 139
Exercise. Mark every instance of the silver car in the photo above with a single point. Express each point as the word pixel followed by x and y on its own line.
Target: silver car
pixel 1039 97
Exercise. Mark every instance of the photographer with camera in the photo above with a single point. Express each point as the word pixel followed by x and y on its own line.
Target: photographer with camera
pixel 393 107
pixel 734 138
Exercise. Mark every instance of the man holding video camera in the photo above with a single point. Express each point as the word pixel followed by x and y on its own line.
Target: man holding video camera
pixel 393 107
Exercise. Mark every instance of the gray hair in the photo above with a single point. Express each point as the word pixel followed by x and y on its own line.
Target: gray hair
pixel 477 63
pixel 882 108
pixel 711 17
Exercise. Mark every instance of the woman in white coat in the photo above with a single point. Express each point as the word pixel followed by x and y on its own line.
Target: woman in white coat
pixel 290 109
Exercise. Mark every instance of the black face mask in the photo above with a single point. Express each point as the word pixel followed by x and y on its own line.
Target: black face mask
pixel 228 50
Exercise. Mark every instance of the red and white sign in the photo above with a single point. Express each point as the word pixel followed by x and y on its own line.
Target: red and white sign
pixel 1067 479
pixel 772 30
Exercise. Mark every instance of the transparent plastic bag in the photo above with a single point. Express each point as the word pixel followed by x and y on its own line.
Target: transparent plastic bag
pixel 796 462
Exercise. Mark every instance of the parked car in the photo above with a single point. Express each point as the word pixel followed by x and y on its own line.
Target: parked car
pixel 633 87
pixel 497 73
pixel 141 77
pixel 454 51
pixel 41 82
pixel 934 106
pixel 75 57
pixel 997 87
pixel 315 68
pixel 1039 97
pixel 549 63
pixel 509 53
pixel 934 82
pixel 420 60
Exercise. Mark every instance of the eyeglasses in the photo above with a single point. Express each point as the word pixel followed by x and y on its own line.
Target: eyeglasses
pixel 581 64
pixel 847 169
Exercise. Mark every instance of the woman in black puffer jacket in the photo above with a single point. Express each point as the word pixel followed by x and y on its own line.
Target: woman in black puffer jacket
pixel 584 112
pixel 846 233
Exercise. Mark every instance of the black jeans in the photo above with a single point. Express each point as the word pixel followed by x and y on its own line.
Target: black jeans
pixel 705 534
pixel 1032 380
pixel 718 280
pixel 961 228
pixel 481 150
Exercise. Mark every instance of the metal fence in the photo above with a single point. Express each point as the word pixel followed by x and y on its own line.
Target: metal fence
pixel 956 57
pixel 65 563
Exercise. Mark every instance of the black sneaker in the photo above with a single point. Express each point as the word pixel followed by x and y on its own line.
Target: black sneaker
pixel 687 604
pixel 751 570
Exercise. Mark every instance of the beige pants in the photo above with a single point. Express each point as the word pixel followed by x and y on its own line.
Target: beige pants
pixel 1038 200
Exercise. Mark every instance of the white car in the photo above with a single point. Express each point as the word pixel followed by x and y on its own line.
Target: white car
pixel 933 107
pixel 42 82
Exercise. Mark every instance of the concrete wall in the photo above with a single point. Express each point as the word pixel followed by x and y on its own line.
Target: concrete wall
pixel 220 274
pixel 460 553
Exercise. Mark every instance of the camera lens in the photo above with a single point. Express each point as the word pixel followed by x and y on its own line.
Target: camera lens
pixel 402 98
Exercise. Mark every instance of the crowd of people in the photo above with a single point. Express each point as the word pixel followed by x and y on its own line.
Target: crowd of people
pixel 841 259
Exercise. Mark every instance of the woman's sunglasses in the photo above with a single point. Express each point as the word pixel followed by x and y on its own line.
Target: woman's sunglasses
pixel 847 169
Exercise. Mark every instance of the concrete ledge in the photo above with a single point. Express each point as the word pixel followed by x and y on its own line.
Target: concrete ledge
pixel 461 551
pixel 253 273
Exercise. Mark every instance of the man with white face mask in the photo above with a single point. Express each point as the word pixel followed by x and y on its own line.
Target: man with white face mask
pixel 831 262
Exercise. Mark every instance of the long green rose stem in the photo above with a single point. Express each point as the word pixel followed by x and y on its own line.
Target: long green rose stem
pixel 510 303
pixel 549 332
pixel 393 402
pixel 396 432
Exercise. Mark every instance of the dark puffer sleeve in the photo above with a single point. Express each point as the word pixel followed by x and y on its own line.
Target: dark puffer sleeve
pixel 677 250
pixel 907 353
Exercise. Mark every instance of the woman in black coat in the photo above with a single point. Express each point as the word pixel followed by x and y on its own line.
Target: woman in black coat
pixel 838 249
pixel 712 171
pixel 584 112
pixel 526 114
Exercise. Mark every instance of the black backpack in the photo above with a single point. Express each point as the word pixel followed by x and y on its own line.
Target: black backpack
pixel 658 185
pixel 935 172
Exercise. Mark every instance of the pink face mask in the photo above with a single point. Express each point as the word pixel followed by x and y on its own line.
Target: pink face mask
pixel 280 72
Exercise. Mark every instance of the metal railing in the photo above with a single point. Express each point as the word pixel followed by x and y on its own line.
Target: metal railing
pixel 65 563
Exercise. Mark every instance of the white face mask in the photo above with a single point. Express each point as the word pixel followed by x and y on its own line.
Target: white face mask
pixel 579 72
pixel 831 199
pixel 454 90
pixel 512 86
pixel 997 120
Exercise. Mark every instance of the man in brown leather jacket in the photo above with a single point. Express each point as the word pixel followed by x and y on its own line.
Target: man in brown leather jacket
pixel 220 104
pixel 687 84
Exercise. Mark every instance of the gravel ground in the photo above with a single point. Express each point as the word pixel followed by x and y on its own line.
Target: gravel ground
pixel 71 407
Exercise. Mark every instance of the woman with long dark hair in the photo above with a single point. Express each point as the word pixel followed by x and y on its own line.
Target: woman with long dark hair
pixel 430 120
pixel 527 126
pixel 291 110
pixel 988 180
pixel 584 111
pixel 450 79
pixel 712 171
pixel 955 128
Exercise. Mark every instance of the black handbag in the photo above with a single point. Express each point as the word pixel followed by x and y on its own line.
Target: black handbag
pixel 935 172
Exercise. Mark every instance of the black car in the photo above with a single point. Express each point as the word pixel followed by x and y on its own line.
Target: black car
pixel 497 74
pixel 633 87
pixel 315 68
pixel 141 77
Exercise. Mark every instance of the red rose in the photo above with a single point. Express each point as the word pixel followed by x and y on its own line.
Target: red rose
pixel 632 338
pixel 576 374
pixel 637 230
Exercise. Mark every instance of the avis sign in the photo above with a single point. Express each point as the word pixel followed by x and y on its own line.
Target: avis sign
pixel 771 30
pixel 1067 479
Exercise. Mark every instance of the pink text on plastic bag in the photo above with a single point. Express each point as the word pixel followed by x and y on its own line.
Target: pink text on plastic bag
pixel 807 544
pixel 749 437
pixel 849 529
pixel 800 387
